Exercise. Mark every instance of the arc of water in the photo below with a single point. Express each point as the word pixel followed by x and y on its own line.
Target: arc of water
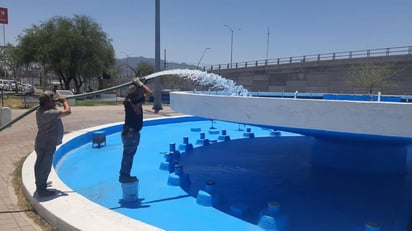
pixel 204 79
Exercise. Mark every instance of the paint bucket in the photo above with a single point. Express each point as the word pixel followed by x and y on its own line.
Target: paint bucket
pixel 130 192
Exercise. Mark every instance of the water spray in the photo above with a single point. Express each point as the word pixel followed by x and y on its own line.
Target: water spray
pixel 203 78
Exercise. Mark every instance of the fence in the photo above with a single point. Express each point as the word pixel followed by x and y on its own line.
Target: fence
pixel 405 50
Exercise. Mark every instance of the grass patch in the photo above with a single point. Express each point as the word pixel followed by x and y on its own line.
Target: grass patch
pixel 23 203
pixel 12 101
pixel 95 103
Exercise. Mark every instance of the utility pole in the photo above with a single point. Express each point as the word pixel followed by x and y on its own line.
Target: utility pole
pixel 267 44
pixel 157 105
pixel 164 63
pixel 231 43
pixel 4 19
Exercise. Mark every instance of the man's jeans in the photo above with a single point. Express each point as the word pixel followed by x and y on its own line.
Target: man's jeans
pixel 43 166
pixel 130 141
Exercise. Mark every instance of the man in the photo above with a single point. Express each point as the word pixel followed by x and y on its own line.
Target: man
pixel 133 123
pixel 49 135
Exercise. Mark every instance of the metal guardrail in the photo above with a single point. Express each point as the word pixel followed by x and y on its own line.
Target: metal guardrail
pixel 379 52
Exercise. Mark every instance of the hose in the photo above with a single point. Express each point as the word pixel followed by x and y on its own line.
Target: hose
pixel 68 97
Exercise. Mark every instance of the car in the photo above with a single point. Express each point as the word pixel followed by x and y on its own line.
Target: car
pixel 20 87
pixel 4 84
pixel 27 88
pixel 12 85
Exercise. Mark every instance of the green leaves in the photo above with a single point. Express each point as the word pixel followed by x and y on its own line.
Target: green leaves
pixel 74 48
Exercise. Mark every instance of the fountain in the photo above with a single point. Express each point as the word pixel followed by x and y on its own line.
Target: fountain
pixel 298 172
pixel 380 131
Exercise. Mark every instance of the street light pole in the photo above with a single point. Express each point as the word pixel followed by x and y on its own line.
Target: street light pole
pixel 231 43
pixel 157 93
pixel 201 57
pixel 267 44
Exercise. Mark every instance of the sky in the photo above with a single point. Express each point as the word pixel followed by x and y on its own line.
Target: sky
pixel 193 31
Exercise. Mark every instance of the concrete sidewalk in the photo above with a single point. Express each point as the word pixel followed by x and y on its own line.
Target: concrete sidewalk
pixel 17 142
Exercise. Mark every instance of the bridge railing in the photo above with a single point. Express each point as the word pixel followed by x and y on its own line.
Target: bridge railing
pixel 379 52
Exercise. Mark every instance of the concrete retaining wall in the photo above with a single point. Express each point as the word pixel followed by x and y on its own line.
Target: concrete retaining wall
pixel 331 76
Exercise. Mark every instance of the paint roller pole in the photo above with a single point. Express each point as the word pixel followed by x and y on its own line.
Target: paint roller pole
pixel 68 97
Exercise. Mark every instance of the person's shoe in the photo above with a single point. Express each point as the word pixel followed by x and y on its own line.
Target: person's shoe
pixel 46 193
pixel 127 179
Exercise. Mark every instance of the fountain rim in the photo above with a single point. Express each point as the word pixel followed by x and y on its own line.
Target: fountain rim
pixel 68 209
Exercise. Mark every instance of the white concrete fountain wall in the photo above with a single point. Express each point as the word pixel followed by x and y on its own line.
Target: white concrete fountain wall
pixel 356 117
pixel 350 135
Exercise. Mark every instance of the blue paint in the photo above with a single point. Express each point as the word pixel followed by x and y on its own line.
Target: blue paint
pixel 202 140
pixel 327 96
pixel 350 155
pixel 352 97
pixel 93 173
pixel 248 174
pixel 224 136
pixel 249 133
pixel 173 180
pixel 186 146
pixel 204 198
pixel 272 218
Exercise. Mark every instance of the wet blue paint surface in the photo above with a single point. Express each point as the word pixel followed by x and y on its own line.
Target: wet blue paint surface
pixel 249 172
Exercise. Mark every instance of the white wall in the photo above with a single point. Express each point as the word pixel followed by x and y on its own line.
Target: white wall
pixel 359 117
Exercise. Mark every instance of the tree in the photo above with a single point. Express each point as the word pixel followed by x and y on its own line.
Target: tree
pixel 144 68
pixel 75 49
pixel 3 61
pixel 372 76
pixel 12 59
pixel 11 62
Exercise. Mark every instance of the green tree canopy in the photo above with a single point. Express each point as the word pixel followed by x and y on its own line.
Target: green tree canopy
pixel 144 68
pixel 372 76
pixel 74 48
pixel 11 59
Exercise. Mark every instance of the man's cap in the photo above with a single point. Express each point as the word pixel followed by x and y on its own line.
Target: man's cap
pixel 46 96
